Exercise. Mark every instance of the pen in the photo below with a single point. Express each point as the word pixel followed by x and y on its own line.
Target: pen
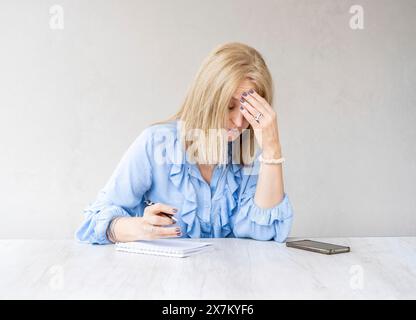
pixel 150 203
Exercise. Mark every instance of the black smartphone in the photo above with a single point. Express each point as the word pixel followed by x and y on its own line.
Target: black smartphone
pixel 316 246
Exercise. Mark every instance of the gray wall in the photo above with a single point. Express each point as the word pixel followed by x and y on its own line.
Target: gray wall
pixel 73 100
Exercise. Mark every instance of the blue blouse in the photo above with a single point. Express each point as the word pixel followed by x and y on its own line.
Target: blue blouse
pixel 223 208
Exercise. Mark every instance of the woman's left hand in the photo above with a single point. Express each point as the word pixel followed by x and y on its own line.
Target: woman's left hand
pixel 253 107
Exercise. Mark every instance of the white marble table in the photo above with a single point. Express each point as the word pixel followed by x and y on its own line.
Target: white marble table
pixel 376 268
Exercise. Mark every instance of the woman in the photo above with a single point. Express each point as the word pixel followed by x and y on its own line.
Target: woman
pixel 214 169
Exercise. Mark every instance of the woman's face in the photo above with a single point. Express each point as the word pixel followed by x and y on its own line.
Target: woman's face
pixel 236 121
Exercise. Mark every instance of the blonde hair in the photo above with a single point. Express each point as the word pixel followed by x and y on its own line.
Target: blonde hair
pixel 209 96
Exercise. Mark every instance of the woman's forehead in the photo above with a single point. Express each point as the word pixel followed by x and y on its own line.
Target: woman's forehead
pixel 238 93
pixel 243 86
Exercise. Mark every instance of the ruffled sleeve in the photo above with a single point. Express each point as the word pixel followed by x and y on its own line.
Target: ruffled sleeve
pixel 123 192
pixel 254 222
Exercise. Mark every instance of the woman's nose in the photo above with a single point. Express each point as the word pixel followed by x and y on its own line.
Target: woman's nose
pixel 238 119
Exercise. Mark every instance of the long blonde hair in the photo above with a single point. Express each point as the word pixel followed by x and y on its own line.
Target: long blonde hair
pixel 209 96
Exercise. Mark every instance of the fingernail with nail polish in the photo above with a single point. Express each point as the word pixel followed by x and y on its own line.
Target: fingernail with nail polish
pixel 241 108
pixel 175 210
pixel 242 100
pixel 251 91
pixel 244 94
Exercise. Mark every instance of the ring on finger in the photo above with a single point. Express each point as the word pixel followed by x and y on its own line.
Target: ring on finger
pixel 258 116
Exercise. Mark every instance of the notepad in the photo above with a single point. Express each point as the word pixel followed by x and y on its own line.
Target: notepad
pixel 165 247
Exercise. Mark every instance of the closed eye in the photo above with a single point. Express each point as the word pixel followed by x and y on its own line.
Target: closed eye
pixel 232 105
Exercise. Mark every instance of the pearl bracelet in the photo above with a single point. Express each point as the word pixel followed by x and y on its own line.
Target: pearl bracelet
pixel 271 161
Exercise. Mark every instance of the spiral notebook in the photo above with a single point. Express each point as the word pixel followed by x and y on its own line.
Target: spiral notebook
pixel 165 247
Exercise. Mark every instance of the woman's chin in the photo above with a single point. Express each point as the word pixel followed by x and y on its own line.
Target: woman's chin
pixel 232 136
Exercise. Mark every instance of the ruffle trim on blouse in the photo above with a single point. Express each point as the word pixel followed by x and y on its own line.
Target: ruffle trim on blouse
pixel 180 177
pixel 98 216
pixel 267 216
pixel 228 201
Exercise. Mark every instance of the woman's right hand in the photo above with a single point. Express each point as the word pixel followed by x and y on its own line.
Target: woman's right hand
pixel 149 227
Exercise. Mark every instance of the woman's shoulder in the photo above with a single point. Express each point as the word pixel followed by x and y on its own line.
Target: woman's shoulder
pixel 161 142
pixel 156 133
pixel 164 128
